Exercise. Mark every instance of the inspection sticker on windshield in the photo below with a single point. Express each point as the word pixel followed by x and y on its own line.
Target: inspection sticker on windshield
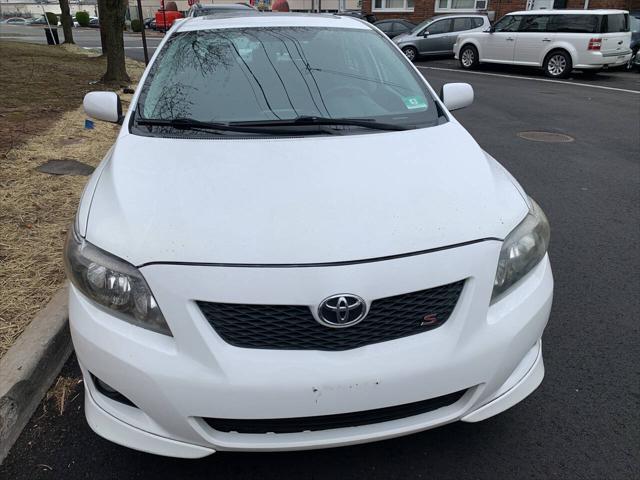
pixel 413 103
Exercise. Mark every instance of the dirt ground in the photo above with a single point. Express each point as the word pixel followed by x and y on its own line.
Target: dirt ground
pixel 41 119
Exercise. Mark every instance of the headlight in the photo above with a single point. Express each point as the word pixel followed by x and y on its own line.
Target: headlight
pixel 522 250
pixel 112 283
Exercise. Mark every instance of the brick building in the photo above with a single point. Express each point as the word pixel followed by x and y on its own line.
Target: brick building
pixel 418 10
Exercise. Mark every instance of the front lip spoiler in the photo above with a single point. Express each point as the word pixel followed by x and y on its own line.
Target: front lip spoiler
pixel 322 264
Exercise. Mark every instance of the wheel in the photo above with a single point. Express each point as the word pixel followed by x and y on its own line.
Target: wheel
pixel 469 57
pixel 557 64
pixel 411 53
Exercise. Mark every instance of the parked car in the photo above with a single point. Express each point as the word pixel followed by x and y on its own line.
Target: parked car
pixel 437 35
pixel 94 22
pixel 285 265
pixel 369 17
pixel 394 27
pixel 555 40
pixel 74 22
pixel 148 22
pixel 16 21
pixel 634 26
pixel 41 20
pixel 200 10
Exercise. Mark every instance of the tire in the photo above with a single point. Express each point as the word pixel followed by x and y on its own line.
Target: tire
pixel 557 64
pixel 468 57
pixel 411 53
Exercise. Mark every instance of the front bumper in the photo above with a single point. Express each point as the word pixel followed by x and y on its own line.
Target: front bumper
pixel 492 352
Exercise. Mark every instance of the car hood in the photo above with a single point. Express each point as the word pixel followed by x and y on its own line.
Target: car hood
pixel 299 200
pixel 401 37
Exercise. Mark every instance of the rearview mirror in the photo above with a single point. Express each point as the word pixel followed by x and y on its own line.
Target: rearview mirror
pixel 456 95
pixel 103 106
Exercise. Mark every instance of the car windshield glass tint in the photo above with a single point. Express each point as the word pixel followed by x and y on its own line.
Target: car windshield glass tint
pixel 202 11
pixel 263 74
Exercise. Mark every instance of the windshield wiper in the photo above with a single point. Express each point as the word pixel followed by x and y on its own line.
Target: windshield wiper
pixel 309 120
pixel 244 127
pixel 186 123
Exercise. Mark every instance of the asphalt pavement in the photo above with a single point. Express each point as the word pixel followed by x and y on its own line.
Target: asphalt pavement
pixel 583 422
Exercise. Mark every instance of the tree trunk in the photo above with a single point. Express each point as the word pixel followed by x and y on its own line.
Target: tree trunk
pixel 112 18
pixel 67 21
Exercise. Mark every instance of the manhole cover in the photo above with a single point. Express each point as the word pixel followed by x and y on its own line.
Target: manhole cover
pixel 549 137
pixel 65 167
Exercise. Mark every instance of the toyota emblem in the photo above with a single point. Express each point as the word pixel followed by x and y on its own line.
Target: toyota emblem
pixel 342 310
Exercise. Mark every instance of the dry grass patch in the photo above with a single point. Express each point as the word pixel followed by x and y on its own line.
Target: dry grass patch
pixel 37 208
pixel 62 394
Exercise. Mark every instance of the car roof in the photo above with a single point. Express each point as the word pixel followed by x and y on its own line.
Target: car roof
pixel 568 12
pixel 271 20
pixel 401 20
pixel 227 6
pixel 456 15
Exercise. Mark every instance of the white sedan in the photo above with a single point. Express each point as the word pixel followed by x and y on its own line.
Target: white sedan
pixel 293 244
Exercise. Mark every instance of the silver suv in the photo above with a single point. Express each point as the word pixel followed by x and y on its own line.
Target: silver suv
pixel 437 35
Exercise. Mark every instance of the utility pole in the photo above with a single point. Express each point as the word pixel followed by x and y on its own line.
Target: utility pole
pixel 144 36
pixel 48 24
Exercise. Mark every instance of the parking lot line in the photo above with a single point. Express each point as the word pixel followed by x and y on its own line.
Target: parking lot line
pixel 548 80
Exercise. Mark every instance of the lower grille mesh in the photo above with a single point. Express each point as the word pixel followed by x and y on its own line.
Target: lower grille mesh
pixel 326 422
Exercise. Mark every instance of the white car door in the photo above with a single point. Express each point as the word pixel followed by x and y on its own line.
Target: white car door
pixel 533 40
pixel 498 46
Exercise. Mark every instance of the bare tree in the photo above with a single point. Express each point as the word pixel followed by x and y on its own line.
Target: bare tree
pixel 112 20
pixel 67 21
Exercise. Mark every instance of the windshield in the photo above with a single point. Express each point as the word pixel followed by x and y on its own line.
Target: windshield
pixel 204 10
pixel 421 25
pixel 284 73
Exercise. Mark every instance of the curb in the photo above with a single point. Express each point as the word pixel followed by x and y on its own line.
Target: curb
pixel 30 366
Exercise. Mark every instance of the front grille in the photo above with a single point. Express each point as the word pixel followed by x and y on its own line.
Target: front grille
pixel 293 327
pixel 327 422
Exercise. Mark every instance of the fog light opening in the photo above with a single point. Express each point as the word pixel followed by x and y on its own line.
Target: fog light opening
pixel 110 392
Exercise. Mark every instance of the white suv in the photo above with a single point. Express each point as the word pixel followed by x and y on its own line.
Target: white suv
pixel 556 40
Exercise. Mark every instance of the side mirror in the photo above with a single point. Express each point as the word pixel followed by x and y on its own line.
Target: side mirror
pixel 103 106
pixel 425 34
pixel 490 30
pixel 456 95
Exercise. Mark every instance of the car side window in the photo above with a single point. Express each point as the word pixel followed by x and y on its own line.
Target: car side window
pixel 534 23
pixel 574 24
pixel 442 26
pixel 616 23
pixel 462 23
pixel 508 23
pixel 477 22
